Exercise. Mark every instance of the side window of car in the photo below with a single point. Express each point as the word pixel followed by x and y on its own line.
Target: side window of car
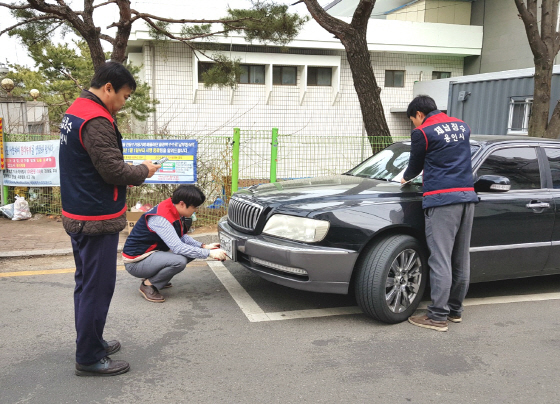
pixel 554 162
pixel 519 164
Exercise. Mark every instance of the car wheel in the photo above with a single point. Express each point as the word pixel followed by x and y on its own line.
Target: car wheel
pixel 391 278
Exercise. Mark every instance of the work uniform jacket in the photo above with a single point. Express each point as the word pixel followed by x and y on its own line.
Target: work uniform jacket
pixel 143 240
pixel 93 174
pixel 440 146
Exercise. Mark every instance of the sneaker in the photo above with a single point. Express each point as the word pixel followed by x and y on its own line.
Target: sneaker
pixel 105 367
pixel 426 322
pixel 151 293
pixel 454 318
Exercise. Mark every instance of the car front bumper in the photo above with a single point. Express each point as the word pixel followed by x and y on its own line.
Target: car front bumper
pixel 296 265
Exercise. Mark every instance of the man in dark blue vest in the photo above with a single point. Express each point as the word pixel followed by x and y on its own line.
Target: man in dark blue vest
pixel 93 180
pixel 440 146
pixel 158 248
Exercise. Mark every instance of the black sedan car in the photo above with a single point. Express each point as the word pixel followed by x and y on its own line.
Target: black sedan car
pixel 363 231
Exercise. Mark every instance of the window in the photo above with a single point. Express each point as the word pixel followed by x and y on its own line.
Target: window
pixel 252 74
pixel 519 113
pixel 202 68
pixel 554 162
pixel 284 75
pixel 519 164
pixel 440 75
pixel 319 76
pixel 36 128
pixel 394 78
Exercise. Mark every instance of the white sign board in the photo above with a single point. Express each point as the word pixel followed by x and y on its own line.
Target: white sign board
pixel 32 164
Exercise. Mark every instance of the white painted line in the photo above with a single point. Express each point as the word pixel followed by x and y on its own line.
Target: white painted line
pixel 503 299
pixel 334 311
pixel 255 314
pixel 245 302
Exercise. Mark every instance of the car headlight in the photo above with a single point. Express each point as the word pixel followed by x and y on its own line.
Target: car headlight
pixel 297 228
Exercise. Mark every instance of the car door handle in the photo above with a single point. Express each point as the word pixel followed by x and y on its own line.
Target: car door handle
pixel 538 205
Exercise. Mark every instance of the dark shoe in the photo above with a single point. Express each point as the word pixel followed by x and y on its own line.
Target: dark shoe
pixel 426 322
pixel 454 318
pixel 105 367
pixel 151 293
pixel 111 347
pixel 167 285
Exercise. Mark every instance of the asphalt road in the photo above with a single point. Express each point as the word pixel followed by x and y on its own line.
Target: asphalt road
pixel 200 347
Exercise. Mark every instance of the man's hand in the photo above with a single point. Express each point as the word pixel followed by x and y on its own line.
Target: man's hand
pixel 212 246
pixel 152 167
pixel 219 255
pixel 403 180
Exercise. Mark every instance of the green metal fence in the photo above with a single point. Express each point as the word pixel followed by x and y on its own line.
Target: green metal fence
pixel 227 163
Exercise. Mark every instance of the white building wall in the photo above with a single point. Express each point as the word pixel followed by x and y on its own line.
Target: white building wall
pixel 218 111
pixel 317 125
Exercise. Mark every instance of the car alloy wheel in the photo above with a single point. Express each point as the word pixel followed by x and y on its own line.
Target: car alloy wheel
pixel 391 277
pixel 403 281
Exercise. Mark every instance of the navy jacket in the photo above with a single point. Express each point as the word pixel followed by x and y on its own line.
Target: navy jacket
pixel 84 193
pixel 142 239
pixel 440 147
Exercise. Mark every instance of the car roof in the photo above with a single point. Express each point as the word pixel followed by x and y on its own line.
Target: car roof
pixel 514 139
pixel 487 139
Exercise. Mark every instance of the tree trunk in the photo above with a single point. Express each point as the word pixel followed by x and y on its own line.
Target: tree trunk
pixel 367 89
pixel 123 32
pixel 538 122
pixel 96 51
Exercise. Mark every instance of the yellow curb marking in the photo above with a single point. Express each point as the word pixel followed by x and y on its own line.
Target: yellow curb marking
pixel 45 272
pixel 70 270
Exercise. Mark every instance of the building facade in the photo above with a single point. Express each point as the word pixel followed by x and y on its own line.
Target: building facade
pixel 305 88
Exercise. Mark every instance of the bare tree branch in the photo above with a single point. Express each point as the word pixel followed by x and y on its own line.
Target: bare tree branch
pixel 16 6
pixel 64 72
pixel 327 21
pixel 107 38
pixel 143 16
pixel 34 19
pixel 181 39
pixel 104 4
pixel 529 17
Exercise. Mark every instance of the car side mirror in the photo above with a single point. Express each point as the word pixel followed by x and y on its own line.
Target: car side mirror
pixel 492 183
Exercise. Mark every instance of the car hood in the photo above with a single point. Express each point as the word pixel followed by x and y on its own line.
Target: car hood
pixel 319 192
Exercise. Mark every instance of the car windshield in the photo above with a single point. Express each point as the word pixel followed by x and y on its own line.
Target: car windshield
pixel 390 163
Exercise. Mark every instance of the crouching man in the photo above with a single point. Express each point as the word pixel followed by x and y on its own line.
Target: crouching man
pixel 158 248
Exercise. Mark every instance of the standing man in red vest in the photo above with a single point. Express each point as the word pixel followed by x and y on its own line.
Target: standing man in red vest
pixel 440 146
pixel 93 180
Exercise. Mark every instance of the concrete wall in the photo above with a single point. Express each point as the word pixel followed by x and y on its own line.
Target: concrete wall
pixel 505 45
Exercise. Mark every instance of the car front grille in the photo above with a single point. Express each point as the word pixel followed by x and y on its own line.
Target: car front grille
pixel 244 214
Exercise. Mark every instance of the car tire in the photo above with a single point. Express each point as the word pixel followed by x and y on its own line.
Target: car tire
pixel 391 278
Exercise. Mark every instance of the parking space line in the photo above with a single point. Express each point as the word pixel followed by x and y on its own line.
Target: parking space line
pixel 245 302
pixel 252 310
pixel 254 313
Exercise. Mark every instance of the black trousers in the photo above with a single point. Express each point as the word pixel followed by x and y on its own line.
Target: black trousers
pixel 96 274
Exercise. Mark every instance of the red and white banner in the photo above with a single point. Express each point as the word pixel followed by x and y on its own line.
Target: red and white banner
pixel 32 164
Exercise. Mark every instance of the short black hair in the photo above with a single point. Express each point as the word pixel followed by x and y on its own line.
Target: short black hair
pixel 422 103
pixel 190 194
pixel 114 73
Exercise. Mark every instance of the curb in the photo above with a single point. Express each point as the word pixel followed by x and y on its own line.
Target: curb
pixel 68 251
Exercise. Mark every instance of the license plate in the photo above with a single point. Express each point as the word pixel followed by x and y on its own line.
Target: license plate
pixel 229 245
